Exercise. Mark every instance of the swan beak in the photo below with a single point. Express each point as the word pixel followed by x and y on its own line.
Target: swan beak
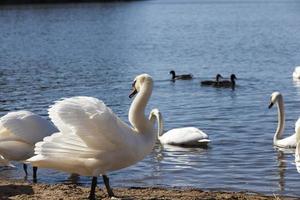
pixel 271 104
pixel 133 92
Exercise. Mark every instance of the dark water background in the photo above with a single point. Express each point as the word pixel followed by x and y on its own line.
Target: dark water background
pixel 96 49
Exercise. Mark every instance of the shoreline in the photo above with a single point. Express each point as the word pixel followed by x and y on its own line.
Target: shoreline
pixel 23 190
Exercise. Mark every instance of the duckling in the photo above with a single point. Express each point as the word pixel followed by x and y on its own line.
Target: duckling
pixel 182 77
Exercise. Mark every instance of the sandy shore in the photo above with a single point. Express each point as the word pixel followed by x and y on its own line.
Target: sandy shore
pixel 16 189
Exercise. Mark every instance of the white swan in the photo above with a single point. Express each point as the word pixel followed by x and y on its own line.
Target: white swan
pixel 296 73
pixel 187 136
pixel 297 151
pixel 289 142
pixel 19 131
pixel 93 141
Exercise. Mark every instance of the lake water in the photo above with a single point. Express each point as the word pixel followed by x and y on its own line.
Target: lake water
pixel 96 49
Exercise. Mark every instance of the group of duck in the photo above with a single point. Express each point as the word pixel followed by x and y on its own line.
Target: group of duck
pixel 85 137
pixel 218 82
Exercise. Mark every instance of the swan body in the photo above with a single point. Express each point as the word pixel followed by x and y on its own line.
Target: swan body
pixel 19 131
pixel 296 73
pixel 93 140
pixel 288 142
pixel 212 82
pixel 182 77
pixel 227 83
pixel 297 151
pixel 187 136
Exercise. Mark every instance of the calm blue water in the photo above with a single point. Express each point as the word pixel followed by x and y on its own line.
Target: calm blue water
pixel 53 51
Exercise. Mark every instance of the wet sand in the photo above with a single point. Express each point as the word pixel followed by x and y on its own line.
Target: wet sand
pixel 17 189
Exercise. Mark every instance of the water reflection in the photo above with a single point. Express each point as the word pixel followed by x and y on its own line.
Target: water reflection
pixel 281 170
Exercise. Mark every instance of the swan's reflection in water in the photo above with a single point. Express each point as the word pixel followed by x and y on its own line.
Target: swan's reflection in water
pixel 281 169
pixel 179 158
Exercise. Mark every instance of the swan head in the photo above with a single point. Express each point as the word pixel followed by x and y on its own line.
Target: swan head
pixel 138 82
pixel 274 98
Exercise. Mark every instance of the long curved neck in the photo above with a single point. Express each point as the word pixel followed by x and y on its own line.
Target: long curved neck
pixel 137 109
pixel 281 119
pixel 155 115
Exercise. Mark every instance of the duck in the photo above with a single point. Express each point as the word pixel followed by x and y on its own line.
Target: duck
pixel 93 141
pixel 180 77
pixel 185 136
pixel 278 141
pixel 296 73
pixel 227 83
pixel 19 131
pixel 212 82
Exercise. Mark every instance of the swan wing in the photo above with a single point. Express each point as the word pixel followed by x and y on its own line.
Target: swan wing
pixel 187 135
pixel 92 121
pixel 25 126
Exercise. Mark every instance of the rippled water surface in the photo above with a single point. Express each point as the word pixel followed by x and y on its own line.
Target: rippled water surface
pixel 53 51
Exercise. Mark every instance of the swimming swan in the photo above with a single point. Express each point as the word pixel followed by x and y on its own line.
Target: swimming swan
pixel 187 136
pixel 182 77
pixel 289 142
pixel 93 140
pixel 19 131
pixel 296 73
pixel 211 82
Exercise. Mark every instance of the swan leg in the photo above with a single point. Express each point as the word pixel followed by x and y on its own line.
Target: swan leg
pixel 25 169
pixel 108 188
pixel 93 187
pixel 34 169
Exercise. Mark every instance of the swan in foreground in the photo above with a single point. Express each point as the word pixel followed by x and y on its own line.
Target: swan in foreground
pixel 288 142
pixel 182 77
pixel 93 140
pixel 187 136
pixel 212 82
pixel 227 83
pixel 296 73
pixel 19 131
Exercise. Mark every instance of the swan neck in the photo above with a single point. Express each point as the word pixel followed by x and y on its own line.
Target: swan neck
pixel 155 115
pixel 281 119
pixel 137 109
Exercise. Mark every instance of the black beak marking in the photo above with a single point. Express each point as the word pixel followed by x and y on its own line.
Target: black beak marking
pixel 134 91
pixel 271 105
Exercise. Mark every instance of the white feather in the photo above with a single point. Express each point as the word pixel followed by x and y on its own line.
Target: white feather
pixel 184 136
pixel 92 139
pixel 19 131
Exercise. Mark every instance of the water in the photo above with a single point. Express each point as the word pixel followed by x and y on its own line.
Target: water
pixel 53 51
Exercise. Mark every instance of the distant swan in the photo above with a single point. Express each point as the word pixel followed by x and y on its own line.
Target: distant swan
pixel 296 73
pixel 187 136
pixel 289 142
pixel 297 151
pixel 183 76
pixel 212 82
pixel 94 141
pixel 19 131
